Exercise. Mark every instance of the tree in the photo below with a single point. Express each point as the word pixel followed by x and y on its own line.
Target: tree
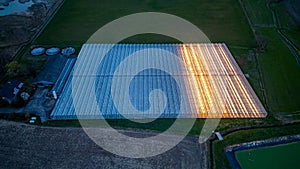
pixel 13 69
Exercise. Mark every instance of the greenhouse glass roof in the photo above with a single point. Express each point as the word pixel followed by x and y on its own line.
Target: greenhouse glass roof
pixel 116 81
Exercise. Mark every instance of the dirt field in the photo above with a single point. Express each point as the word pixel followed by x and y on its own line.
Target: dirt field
pixel 28 146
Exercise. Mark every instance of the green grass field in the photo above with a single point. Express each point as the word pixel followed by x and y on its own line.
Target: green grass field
pixel 76 21
pixel 275 157
pixel 281 75
pixel 285 21
pixel 258 12
pixel 279 67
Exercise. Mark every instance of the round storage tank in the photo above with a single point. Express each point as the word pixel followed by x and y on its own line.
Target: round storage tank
pixel 38 51
pixel 52 51
pixel 68 51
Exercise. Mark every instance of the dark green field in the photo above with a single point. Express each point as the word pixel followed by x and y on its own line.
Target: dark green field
pixel 275 157
pixel 76 21
pixel 281 75
pixel 258 12
pixel 279 66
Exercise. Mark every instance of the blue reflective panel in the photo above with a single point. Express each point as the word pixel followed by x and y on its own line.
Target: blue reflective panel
pixel 143 83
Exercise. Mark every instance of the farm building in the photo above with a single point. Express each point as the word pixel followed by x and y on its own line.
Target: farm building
pixel 51 71
pixel 156 80
pixel 10 91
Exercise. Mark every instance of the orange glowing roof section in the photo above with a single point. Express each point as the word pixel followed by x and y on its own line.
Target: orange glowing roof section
pixel 219 87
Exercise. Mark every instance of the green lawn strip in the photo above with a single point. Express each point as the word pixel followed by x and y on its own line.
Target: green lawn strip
pixel 279 156
pixel 76 21
pixel 281 74
pixel 230 123
pixel 220 160
pixel 162 124
pixel 258 12
pixel 157 125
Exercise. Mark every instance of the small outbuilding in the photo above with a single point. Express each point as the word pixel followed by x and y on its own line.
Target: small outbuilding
pixel 218 134
pixel 51 71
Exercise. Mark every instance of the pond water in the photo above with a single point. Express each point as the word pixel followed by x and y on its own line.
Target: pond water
pixel 14 6
pixel 278 156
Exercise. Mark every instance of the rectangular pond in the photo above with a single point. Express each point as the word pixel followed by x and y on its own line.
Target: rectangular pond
pixel 279 156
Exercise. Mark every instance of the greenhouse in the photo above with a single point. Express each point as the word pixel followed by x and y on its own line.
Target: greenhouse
pixel 116 81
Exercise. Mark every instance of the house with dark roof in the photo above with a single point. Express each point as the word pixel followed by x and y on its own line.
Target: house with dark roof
pixel 10 91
